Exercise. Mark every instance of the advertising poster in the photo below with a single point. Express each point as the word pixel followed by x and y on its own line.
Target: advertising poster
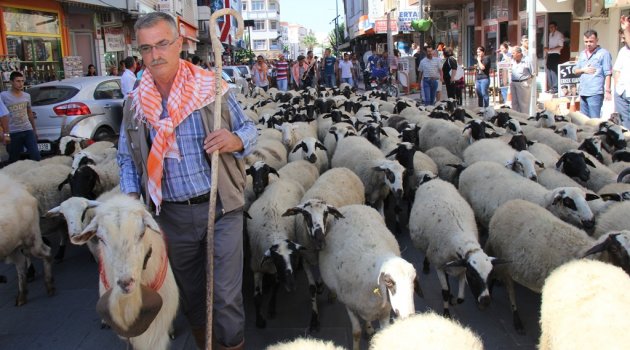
pixel 114 39
pixel 568 81
pixel 504 73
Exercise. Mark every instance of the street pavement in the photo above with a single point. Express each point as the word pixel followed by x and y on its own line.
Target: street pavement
pixel 69 321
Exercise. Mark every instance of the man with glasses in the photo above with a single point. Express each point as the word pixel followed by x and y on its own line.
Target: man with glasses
pixel 163 153
pixel 19 131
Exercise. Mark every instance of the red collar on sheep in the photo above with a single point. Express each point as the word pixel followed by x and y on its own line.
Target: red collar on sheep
pixel 155 285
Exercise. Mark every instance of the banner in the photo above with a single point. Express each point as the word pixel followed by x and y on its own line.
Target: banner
pixel 405 16
pixel 114 39
pixel 504 72
pixel 568 81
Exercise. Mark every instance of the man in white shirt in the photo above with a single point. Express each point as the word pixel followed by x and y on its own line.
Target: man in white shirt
pixel 128 78
pixel 556 43
pixel 621 75
pixel 345 70
pixel 430 69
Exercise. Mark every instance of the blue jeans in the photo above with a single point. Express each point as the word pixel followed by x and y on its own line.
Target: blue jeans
pixel 481 87
pixel 348 81
pixel 429 90
pixel 622 106
pixel 591 106
pixel 329 80
pixel 19 141
pixel 282 84
pixel 504 91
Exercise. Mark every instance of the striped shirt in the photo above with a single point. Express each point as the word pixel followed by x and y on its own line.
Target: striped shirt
pixel 430 68
pixel 282 69
pixel 189 177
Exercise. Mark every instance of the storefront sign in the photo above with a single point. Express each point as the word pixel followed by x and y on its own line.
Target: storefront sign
pixel 405 16
pixel 72 66
pixel 364 24
pixel 380 26
pixel 470 14
pixel 504 73
pixel 114 39
pixel 568 81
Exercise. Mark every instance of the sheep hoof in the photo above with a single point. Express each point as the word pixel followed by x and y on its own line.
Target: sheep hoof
pixel 171 334
pixel 21 299
pixel 30 274
pixel 320 287
pixel 50 289
pixel 3 279
pixel 446 313
pixel 460 300
pixel 261 323
pixel 104 325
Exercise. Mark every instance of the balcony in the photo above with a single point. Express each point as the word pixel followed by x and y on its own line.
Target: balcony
pixel 261 15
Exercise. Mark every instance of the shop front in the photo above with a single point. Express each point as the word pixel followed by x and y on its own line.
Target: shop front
pixel 33 41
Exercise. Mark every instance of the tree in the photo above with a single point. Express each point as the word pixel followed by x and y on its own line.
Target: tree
pixel 310 41
pixel 339 38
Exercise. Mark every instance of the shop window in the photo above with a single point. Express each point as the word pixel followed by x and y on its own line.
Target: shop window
pixel 259 25
pixel 258 5
pixel 260 44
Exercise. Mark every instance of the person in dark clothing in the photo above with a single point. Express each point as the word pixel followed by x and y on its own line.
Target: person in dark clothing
pixel 418 55
pixel 449 69
pixel 483 78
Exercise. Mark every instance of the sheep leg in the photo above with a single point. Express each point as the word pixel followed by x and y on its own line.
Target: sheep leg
pixel 92 245
pixel 258 295
pixel 171 332
pixel 369 330
pixel 425 266
pixel 3 279
pixel 446 292
pixel 30 271
pixel 42 251
pixel 518 324
pixel 19 260
pixel 462 284
pixel 271 311
pixel 312 287
pixel 356 329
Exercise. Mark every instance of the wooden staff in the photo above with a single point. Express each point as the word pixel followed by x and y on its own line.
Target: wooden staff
pixel 217 49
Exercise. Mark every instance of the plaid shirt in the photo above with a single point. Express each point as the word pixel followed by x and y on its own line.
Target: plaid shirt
pixel 189 177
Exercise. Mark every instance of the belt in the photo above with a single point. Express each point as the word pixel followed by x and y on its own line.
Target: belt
pixel 518 81
pixel 194 200
pixel 430 78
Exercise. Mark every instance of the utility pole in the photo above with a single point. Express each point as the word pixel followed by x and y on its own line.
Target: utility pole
pixel 531 33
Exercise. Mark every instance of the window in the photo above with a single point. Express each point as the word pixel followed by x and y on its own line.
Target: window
pixel 259 25
pixel 108 90
pixel 273 25
pixel 260 44
pixel 244 5
pixel 272 6
pixel 273 45
pixel 202 26
pixel 258 5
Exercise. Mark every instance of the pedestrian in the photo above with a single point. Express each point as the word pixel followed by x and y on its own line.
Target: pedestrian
pixel 393 63
pixel 356 71
pixel 128 78
pixel 19 130
pixel 556 43
pixel 621 74
pixel 525 45
pixel 91 71
pixel 260 73
pixel 430 73
pixel 594 66
pixel 297 71
pixel 345 70
pixel 504 58
pixel 113 71
pixel 418 55
pixel 175 183
pixel 482 79
pixel 449 69
pixel 329 69
pixel 282 73
pixel 121 67
pixel 309 78
pixel 521 81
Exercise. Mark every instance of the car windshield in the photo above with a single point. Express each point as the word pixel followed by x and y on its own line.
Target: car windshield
pixel 46 95
pixel 229 71
pixel 226 77
pixel 243 70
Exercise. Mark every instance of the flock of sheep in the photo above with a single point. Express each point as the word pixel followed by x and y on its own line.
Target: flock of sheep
pixel 541 201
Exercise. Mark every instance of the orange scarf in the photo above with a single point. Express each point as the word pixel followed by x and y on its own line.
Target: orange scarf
pixel 192 89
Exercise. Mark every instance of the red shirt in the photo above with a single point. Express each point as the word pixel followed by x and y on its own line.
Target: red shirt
pixel 282 70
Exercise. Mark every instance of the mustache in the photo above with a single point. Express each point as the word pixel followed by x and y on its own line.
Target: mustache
pixel 157 62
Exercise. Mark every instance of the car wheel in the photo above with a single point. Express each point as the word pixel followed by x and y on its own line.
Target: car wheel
pixel 104 133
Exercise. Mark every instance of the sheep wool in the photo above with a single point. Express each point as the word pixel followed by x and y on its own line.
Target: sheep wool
pixel 585 305
pixel 305 344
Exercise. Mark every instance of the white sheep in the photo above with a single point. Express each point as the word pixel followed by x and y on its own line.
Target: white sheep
pixel 305 344
pixel 379 175
pixel 311 150
pixel 269 134
pixel 294 132
pixel 437 132
pixel 426 331
pixel 550 138
pixel 487 185
pixel 19 224
pixel 585 305
pixel 336 188
pixel 269 151
pixel 442 225
pixel 544 153
pixel 91 180
pixel 70 145
pixel 536 242
pixel 522 162
pixel 615 218
pixel 593 174
pixel 93 156
pixel 133 256
pixel 272 240
pixel 444 160
pixel 361 264
pixel 337 132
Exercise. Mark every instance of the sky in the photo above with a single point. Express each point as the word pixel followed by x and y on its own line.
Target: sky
pixel 315 15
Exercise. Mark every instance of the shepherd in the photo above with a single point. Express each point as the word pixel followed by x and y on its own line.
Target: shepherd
pixel 179 115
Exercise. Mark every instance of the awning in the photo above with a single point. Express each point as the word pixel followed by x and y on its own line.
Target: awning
pixel 119 4
pixel 343 46
pixel 187 30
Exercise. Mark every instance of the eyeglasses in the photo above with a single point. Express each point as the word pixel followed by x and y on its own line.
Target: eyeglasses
pixel 161 46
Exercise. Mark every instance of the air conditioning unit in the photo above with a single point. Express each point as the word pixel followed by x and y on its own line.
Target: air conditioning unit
pixel 587 8
pixel 110 18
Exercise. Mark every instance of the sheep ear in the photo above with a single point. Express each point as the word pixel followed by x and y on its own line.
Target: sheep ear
pixel 560 161
pixel 53 212
pixel 553 127
pixel 557 197
pixel 88 232
pixel 246 215
pixel 393 152
pixel 416 287
pixel 602 246
pixel 455 263
pixel 589 162
pixel 298 146
pixel 521 123
pixel 540 164
pixel 609 197
pixel 498 261
pixel 150 222
pixel 93 204
pixel 273 170
pixel 383 132
pixel 332 210
pixel 466 127
pixel 66 181
pixel 293 211
pixel 320 146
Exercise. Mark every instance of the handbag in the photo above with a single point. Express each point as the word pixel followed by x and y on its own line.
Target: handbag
pixel 459 72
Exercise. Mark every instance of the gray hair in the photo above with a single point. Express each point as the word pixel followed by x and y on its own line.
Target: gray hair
pixel 590 32
pixel 518 49
pixel 153 18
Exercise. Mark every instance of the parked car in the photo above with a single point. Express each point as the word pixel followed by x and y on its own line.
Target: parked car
pixel 236 76
pixel 87 107
pixel 245 71
pixel 233 87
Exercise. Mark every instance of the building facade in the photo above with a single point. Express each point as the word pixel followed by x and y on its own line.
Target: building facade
pixel 295 35
pixel 266 34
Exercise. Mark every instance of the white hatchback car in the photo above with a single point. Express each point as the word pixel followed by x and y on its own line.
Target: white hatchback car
pixel 87 107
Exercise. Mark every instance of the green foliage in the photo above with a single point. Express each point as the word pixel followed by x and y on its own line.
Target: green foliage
pixel 309 41
pixel 243 56
pixel 340 38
